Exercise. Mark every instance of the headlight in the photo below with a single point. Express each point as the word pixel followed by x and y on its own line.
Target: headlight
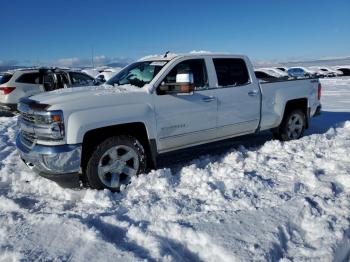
pixel 49 125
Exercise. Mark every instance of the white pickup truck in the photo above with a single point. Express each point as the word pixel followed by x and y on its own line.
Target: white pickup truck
pixel 105 135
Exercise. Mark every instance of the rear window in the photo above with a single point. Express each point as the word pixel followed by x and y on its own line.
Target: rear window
pixel 231 71
pixel 29 78
pixel 5 78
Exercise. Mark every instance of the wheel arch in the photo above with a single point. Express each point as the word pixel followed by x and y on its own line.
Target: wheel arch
pixel 94 137
pixel 301 104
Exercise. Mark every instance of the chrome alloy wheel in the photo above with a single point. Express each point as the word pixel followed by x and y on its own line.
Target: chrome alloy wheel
pixel 295 126
pixel 117 166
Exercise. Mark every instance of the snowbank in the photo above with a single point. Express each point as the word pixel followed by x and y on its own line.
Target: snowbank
pixel 274 201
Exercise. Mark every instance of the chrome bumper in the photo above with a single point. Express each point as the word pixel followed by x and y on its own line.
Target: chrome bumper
pixel 50 160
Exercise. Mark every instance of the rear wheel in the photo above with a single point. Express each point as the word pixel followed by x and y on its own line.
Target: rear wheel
pixel 114 162
pixel 292 126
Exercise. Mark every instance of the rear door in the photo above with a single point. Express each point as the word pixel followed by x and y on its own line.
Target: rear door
pixel 238 98
pixel 186 119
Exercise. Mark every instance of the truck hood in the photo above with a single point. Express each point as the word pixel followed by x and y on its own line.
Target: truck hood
pixel 80 98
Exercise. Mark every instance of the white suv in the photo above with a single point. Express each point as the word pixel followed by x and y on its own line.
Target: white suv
pixel 17 84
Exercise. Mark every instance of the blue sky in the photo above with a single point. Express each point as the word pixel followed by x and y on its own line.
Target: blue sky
pixel 49 31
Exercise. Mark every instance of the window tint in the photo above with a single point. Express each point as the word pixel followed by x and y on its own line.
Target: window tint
pixel 80 79
pixel 5 78
pixel 194 66
pixel 29 78
pixel 231 71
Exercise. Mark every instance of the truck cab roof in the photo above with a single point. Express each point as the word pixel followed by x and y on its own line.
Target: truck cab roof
pixel 171 56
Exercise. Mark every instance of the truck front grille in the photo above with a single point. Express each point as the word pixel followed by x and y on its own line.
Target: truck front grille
pixel 27 139
pixel 28 136
pixel 26 122
pixel 28 117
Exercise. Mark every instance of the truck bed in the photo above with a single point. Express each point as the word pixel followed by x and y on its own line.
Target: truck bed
pixel 275 94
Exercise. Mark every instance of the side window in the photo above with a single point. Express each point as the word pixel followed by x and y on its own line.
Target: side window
pixel 30 78
pixel 194 66
pixel 62 81
pixel 80 79
pixel 231 71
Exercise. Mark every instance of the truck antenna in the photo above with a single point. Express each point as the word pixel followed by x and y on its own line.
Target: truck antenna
pixel 92 57
pixel 166 54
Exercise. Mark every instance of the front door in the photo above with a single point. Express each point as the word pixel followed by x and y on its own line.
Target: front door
pixel 186 119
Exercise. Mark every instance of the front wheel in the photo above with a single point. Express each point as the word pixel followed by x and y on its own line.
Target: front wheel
pixel 114 162
pixel 292 126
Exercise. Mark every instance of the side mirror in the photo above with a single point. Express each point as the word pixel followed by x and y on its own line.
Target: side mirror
pixel 184 85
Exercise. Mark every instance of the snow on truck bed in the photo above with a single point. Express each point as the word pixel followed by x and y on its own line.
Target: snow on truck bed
pixel 288 201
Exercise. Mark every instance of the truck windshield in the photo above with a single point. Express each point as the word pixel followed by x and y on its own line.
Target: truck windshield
pixel 137 74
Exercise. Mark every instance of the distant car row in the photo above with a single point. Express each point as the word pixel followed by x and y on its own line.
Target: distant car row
pixel 267 74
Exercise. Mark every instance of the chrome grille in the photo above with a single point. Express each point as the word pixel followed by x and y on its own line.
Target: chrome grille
pixel 28 136
pixel 27 139
pixel 28 117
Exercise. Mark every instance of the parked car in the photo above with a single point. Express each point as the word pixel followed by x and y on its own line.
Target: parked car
pixel 27 82
pixel 345 70
pixel 301 72
pixel 318 73
pixel 282 68
pixel 108 134
pixel 280 72
pixel 264 76
pixel 107 74
pixel 330 72
pixel 268 74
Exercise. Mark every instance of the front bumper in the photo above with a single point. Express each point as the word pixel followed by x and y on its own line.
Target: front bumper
pixel 58 163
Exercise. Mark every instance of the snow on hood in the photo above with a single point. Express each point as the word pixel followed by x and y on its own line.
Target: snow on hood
pixel 90 94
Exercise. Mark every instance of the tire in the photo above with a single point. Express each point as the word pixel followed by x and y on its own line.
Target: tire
pixel 114 162
pixel 292 126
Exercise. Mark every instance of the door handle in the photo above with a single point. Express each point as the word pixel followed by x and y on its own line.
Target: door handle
pixel 208 99
pixel 253 93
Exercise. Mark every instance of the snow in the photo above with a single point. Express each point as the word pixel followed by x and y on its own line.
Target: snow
pixel 103 89
pixel 200 52
pixel 269 201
